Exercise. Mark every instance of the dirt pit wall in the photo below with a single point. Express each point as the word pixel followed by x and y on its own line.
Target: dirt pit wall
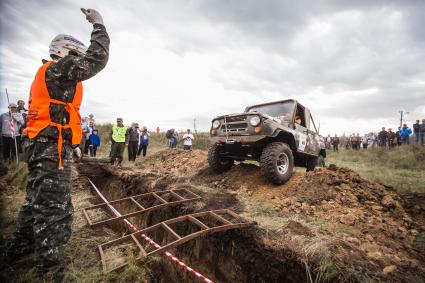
pixel 242 255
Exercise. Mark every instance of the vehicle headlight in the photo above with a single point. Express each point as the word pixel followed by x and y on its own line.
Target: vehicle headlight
pixel 254 121
pixel 216 124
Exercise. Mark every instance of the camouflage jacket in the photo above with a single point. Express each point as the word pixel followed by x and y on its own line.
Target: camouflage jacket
pixel 62 77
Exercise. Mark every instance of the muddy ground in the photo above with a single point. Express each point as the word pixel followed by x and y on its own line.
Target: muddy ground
pixel 326 225
pixel 329 225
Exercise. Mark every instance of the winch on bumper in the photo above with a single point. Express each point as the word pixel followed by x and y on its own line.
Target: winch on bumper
pixel 238 138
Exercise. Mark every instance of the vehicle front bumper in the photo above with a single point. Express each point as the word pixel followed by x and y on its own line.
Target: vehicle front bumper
pixel 237 139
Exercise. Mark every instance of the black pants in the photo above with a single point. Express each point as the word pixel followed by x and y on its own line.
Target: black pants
pixel 9 149
pixel 117 151
pixel 335 146
pixel 93 149
pixel 132 150
pixel 143 148
pixel 86 147
pixel 417 135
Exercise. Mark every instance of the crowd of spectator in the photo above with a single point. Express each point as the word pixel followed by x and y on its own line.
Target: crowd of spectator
pixel 383 139
pixel 137 141
pixel 13 122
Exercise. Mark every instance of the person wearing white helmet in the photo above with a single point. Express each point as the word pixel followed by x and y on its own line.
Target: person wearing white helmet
pixel 53 130
pixel 62 44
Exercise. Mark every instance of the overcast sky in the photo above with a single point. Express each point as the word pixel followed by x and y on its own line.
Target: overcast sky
pixel 354 63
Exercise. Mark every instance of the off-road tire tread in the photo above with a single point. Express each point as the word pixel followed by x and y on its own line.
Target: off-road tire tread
pixel 214 160
pixel 314 162
pixel 268 162
pixel 321 161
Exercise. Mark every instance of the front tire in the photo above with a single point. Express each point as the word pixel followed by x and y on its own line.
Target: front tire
pixel 217 162
pixel 277 162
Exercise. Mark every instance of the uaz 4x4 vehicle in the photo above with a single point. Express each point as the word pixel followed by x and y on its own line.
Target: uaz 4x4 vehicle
pixel 278 135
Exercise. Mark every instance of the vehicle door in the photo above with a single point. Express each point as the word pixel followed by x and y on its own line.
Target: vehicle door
pixel 301 128
pixel 313 138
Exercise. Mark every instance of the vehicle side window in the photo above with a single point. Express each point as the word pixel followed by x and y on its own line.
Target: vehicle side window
pixel 300 117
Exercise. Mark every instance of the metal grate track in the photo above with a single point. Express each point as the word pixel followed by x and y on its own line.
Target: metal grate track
pixel 225 219
pixel 165 198
pixel 219 220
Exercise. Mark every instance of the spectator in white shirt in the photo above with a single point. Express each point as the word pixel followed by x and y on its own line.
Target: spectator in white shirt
pixel 188 140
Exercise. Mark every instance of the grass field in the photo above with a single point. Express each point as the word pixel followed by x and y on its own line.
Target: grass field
pixel 402 167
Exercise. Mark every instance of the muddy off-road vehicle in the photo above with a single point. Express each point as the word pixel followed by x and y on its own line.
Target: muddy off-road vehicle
pixel 279 135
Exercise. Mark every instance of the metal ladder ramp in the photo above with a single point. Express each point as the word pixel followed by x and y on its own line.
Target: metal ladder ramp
pixel 224 219
pixel 158 200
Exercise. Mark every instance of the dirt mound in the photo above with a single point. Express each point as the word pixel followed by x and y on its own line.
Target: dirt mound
pixel 176 161
pixel 365 226
pixel 370 226
pixel 415 205
pixel 341 190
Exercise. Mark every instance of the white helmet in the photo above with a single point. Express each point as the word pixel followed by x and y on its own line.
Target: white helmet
pixel 62 44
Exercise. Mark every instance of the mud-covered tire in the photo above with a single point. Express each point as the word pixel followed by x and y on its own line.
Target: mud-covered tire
pixel 314 162
pixel 321 161
pixel 277 162
pixel 216 162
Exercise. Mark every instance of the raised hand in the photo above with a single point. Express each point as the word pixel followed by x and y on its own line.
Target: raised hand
pixel 93 16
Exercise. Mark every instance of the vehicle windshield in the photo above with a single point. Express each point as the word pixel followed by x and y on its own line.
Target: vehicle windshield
pixel 281 110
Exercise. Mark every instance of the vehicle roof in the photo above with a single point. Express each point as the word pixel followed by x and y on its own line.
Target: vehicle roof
pixel 274 102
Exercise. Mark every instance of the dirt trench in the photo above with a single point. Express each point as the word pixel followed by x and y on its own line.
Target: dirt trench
pixel 242 255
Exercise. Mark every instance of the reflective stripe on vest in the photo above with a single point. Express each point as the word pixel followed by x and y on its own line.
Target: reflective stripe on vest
pixel 39 111
pixel 118 133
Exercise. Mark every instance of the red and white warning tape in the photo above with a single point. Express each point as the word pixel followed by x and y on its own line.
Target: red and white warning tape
pixel 179 262
pixel 168 254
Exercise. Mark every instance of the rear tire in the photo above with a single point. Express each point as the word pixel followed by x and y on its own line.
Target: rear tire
pixel 277 162
pixel 321 161
pixel 217 162
pixel 314 162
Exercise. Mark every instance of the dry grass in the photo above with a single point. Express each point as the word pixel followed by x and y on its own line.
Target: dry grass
pixel 403 167
pixel 315 248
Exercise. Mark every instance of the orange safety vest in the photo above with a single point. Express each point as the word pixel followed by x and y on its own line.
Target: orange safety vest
pixel 39 111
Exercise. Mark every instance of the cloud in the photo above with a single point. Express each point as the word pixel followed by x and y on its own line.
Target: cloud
pixel 354 63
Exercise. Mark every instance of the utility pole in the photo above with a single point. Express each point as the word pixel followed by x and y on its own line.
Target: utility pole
pixel 194 126
pixel 401 116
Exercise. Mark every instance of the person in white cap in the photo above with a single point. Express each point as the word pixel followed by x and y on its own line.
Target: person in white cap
pixel 10 123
